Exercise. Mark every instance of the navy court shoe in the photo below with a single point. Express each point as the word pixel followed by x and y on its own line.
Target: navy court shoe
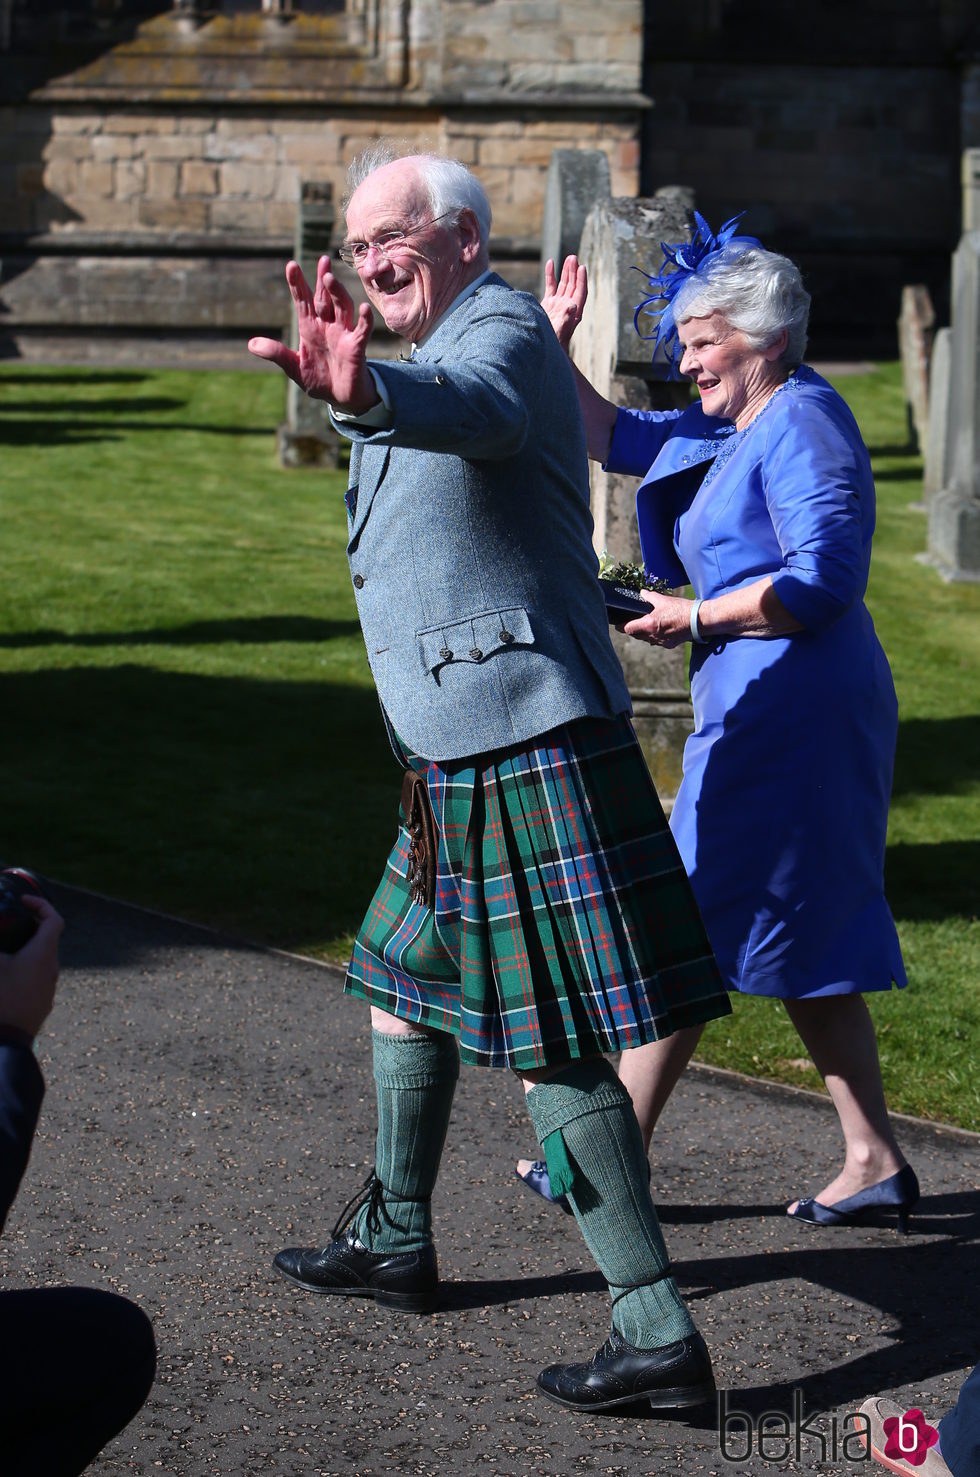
pixel 898 1193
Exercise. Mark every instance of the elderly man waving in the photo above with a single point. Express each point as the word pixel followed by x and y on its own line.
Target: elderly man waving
pixel 533 913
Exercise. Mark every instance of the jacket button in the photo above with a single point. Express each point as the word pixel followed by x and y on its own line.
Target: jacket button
pixel 476 653
pixel 441 379
pixel 506 637
pixel 358 581
pixel 446 654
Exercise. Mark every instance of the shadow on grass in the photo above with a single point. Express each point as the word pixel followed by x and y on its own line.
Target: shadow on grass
pixel 937 756
pixel 896 449
pixel 264 630
pixel 74 377
pixel 87 409
pixel 263 808
pixel 79 430
pixel 932 881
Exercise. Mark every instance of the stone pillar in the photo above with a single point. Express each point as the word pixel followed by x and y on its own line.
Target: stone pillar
pixel 971 189
pixel 578 180
pixel 954 512
pixel 916 325
pixel 307 439
pixel 936 462
pixel 619 235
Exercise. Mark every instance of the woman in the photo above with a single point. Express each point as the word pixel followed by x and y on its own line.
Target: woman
pixel 781 814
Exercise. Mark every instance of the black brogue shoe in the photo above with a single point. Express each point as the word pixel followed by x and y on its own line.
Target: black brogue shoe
pixel 408 1280
pixel 674 1377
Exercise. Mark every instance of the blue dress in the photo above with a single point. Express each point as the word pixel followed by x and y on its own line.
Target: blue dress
pixel 781 814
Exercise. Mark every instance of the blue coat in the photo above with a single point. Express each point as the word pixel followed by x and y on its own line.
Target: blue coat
pixel 470 538
pixel 781 815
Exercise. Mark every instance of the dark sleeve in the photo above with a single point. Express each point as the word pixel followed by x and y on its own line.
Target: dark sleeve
pixel 21 1091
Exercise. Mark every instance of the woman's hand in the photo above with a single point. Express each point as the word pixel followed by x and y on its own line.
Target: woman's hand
pixel 564 298
pixel 668 623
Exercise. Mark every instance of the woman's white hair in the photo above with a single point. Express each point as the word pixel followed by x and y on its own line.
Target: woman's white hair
pixel 758 292
pixel 449 185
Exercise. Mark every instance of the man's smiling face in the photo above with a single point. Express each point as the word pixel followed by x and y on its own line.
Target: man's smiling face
pixel 414 282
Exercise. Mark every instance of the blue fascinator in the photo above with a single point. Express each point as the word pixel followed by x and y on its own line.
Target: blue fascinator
pixel 680 263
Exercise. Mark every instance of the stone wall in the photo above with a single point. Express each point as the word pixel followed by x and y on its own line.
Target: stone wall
pixel 169 138
pixel 174 150
pixel 839 134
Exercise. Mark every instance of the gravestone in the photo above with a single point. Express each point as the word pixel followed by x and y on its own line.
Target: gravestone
pixel 578 180
pixel 619 235
pixel 307 439
pixel 971 189
pixel 916 326
pixel 935 466
pixel 954 511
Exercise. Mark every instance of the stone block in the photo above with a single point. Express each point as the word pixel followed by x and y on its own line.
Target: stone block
pixel 193 123
pixel 916 325
pixel 112 147
pixel 95 178
pixel 161 179
pixel 578 179
pixel 935 467
pixel 954 536
pixel 198 178
pixel 172 213
pixel 173 146
pixel 130 179
pixel 954 511
pixel 970 179
pixel 248 181
pixel 76 123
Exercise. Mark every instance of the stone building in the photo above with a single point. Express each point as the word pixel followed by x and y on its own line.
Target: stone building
pixel 152 152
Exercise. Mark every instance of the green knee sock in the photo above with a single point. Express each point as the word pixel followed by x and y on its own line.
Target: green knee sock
pixel 415 1078
pixel 585 1121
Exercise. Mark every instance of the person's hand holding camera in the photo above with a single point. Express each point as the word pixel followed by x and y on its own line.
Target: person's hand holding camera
pixel 28 978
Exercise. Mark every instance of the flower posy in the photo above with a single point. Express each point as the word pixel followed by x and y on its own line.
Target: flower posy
pixel 680 263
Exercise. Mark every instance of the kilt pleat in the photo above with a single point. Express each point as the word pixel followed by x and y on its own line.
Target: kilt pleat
pixel 564 924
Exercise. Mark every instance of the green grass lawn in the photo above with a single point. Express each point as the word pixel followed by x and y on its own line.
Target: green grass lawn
pixel 190 721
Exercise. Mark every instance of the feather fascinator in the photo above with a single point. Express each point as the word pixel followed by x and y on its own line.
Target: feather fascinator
pixel 681 262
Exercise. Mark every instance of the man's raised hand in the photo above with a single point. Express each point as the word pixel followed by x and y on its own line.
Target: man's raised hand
pixel 331 361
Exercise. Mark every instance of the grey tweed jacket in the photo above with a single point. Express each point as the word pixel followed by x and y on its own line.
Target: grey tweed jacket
pixel 470 538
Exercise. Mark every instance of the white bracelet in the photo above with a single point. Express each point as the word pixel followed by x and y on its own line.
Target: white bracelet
pixel 695 629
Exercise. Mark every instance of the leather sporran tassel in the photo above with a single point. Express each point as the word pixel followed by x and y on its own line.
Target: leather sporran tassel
pixel 417 809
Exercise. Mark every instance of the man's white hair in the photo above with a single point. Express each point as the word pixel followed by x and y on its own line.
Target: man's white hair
pixel 449 185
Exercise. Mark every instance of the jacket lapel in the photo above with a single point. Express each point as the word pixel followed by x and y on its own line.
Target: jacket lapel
pixel 373 465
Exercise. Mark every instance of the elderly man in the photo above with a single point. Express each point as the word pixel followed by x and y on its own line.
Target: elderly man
pixel 533 913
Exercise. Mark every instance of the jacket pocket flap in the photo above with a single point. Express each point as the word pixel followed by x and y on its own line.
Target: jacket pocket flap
pixel 475 638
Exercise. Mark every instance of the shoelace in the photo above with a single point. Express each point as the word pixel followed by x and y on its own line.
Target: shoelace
pixel 370 1194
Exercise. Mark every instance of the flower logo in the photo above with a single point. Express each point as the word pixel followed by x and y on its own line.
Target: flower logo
pixel 909 1437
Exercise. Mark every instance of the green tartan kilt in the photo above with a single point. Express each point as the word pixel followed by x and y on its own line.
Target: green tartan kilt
pixel 564 924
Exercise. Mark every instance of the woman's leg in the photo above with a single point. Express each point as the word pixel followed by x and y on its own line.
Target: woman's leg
pixel 839 1034
pixel 651 1072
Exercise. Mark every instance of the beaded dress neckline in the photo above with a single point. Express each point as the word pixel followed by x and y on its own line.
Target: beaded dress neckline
pixel 721 446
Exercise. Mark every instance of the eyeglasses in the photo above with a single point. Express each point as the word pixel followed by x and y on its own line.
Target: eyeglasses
pixel 355 253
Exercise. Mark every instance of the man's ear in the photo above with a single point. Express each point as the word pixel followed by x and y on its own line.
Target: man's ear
pixel 470 244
